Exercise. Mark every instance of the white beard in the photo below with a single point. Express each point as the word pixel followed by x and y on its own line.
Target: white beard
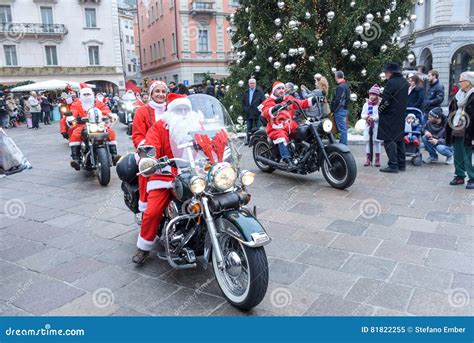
pixel 179 126
pixel 87 103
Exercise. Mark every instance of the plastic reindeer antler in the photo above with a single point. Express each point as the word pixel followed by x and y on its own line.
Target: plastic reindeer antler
pixel 206 145
pixel 219 143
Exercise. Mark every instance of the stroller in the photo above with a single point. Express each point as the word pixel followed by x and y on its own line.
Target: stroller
pixel 412 149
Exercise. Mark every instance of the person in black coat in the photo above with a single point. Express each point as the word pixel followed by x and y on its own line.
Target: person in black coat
pixel 253 97
pixel 392 118
pixel 435 94
pixel 416 93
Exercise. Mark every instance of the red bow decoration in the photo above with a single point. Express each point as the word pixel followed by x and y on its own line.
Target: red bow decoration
pixel 217 145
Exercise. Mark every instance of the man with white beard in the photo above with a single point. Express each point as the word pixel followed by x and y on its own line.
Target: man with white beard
pixel 165 135
pixel 79 109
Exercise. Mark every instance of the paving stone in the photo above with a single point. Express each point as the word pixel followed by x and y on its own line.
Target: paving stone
pixel 87 305
pixel 414 224
pixel 306 209
pixel 408 212
pixel 8 241
pixel 110 277
pixel 228 310
pixel 154 267
pixel 128 237
pixel 330 305
pixel 323 257
pixel 357 244
pixel 465 246
pixel 402 252
pixel 9 221
pixel 119 256
pixel 66 220
pixel 423 277
pixel 381 294
pixel 7 309
pixel 8 268
pixel 393 234
pixel 429 303
pixel 46 259
pixel 322 280
pixel 368 266
pixel 94 247
pixel 35 231
pixel 438 216
pixel 285 249
pixel 285 272
pixel 319 238
pixel 22 250
pixel 464 282
pixel 383 312
pixel 194 279
pixel 68 240
pixel 463 231
pixel 450 260
pixel 127 312
pixel 75 269
pixel 110 230
pixel 433 240
pixel 347 227
pixel 380 219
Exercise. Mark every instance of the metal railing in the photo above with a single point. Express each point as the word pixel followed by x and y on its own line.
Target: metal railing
pixel 33 29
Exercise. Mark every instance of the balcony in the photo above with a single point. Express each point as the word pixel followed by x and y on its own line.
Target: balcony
pixel 203 7
pixel 21 30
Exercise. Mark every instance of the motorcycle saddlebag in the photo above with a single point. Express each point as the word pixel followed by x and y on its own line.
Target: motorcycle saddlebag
pixel 127 168
pixel 131 196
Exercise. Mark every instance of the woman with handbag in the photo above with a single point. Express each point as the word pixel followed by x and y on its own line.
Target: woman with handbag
pixel 321 108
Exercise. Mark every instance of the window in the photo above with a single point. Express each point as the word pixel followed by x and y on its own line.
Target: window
pixel 152 13
pixel 127 40
pixel 154 51
pixel 134 68
pixel 47 18
pixel 157 10
pixel 132 40
pixel 203 43
pixel 129 54
pixel 129 67
pixel 173 44
pixel 5 14
pixel 161 5
pixel 94 55
pixel 159 50
pixel 142 25
pixel 471 12
pixel 151 54
pixel 91 20
pixel 51 55
pixel 144 56
pixel 171 4
pixel 427 13
pixel 10 55
pixel 234 3
pixel 164 49
pixel 126 24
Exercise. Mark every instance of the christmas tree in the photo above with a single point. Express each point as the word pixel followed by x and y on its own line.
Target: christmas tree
pixel 293 40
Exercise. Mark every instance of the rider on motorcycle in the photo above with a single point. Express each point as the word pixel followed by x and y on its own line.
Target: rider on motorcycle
pixel 66 102
pixel 178 121
pixel 145 117
pixel 79 109
pixel 280 121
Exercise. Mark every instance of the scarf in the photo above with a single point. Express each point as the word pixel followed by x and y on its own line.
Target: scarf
pixel 370 111
pixel 159 109
pixel 461 99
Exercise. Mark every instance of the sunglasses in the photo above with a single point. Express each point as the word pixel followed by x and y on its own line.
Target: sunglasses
pixel 182 111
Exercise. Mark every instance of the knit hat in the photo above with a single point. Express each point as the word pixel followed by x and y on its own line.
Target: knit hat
pixel 436 112
pixel 410 115
pixel 468 76
pixel 154 84
pixel 277 84
pixel 375 89
pixel 174 100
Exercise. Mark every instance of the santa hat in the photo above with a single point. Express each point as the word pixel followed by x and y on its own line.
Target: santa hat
pixel 375 89
pixel 85 89
pixel 174 100
pixel 154 84
pixel 277 84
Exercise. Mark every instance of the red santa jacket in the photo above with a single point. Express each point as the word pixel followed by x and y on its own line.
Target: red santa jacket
pixel 142 121
pixel 78 111
pixel 62 122
pixel 158 136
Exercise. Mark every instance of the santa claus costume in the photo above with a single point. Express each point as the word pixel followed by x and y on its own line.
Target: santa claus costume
pixel 145 117
pixel 158 185
pixel 281 123
pixel 79 109
pixel 66 100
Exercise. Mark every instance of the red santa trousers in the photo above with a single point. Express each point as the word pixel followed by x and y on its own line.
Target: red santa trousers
pixel 76 137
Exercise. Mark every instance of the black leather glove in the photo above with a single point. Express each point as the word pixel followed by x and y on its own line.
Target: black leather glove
pixel 276 108
pixel 65 135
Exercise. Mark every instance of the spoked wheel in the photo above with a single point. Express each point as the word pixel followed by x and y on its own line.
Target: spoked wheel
pixel 261 148
pixel 244 279
pixel 344 169
pixel 103 167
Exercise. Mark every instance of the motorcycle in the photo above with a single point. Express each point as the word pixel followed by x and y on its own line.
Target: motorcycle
pixel 126 114
pixel 95 154
pixel 312 146
pixel 207 220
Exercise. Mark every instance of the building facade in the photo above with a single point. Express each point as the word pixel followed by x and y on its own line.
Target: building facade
pixel 183 40
pixel 131 63
pixel 75 40
pixel 444 32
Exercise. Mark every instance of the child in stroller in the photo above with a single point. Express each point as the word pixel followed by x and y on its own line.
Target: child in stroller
pixel 413 127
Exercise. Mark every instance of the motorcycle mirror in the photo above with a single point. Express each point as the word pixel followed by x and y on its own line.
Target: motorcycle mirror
pixel 146 151
pixel 279 100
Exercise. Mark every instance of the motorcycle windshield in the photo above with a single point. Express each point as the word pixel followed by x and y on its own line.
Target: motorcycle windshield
pixel 94 115
pixel 203 135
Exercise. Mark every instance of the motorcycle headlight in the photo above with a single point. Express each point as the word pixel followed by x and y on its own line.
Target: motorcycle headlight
pixel 326 125
pixel 129 106
pixel 247 177
pixel 223 176
pixel 198 184
pixel 123 105
pixel 146 166
pixel 101 127
pixel 93 128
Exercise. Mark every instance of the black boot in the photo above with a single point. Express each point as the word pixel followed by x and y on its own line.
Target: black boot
pixel 76 157
pixel 140 256
pixel 113 153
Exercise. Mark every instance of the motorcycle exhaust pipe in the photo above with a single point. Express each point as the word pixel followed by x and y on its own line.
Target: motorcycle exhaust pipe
pixel 271 163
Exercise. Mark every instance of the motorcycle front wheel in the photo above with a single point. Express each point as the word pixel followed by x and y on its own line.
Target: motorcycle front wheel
pixel 244 279
pixel 344 169
pixel 103 167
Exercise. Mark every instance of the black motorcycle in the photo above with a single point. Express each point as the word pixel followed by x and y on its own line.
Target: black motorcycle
pixel 95 154
pixel 312 147
pixel 207 220
pixel 126 114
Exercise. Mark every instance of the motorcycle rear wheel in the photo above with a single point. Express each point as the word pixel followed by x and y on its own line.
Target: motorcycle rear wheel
pixel 103 167
pixel 258 150
pixel 251 290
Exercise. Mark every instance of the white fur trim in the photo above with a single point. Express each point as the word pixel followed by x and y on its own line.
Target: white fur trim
pixel 280 140
pixel 278 85
pixel 158 184
pixel 277 127
pixel 113 143
pixel 74 143
pixel 143 244
pixel 142 206
pixel 141 143
pixel 179 102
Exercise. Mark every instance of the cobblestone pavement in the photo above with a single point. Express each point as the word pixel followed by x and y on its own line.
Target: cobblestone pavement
pixel 397 244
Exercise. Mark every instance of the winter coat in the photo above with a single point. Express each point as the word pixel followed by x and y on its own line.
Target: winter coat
pixel 416 98
pixel 251 110
pixel 320 109
pixel 11 105
pixel 392 109
pixel 469 131
pixel 35 105
pixel 145 117
pixel 341 98
pixel 375 116
pixel 437 130
pixel 45 105
pixel 434 96
pixel 210 90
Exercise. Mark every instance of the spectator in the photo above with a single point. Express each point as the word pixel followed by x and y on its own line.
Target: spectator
pixel 182 89
pixel 392 118
pixel 173 88
pixel 12 109
pixel 321 109
pixel 145 98
pixel 46 109
pixel 253 97
pixel 291 90
pixel 370 112
pixel 210 88
pixel 220 92
pixel 435 93
pixel 27 112
pixel 339 105
pixel 460 130
pixel 434 137
pixel 35 106
pixel 4 117
pixel 416 92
